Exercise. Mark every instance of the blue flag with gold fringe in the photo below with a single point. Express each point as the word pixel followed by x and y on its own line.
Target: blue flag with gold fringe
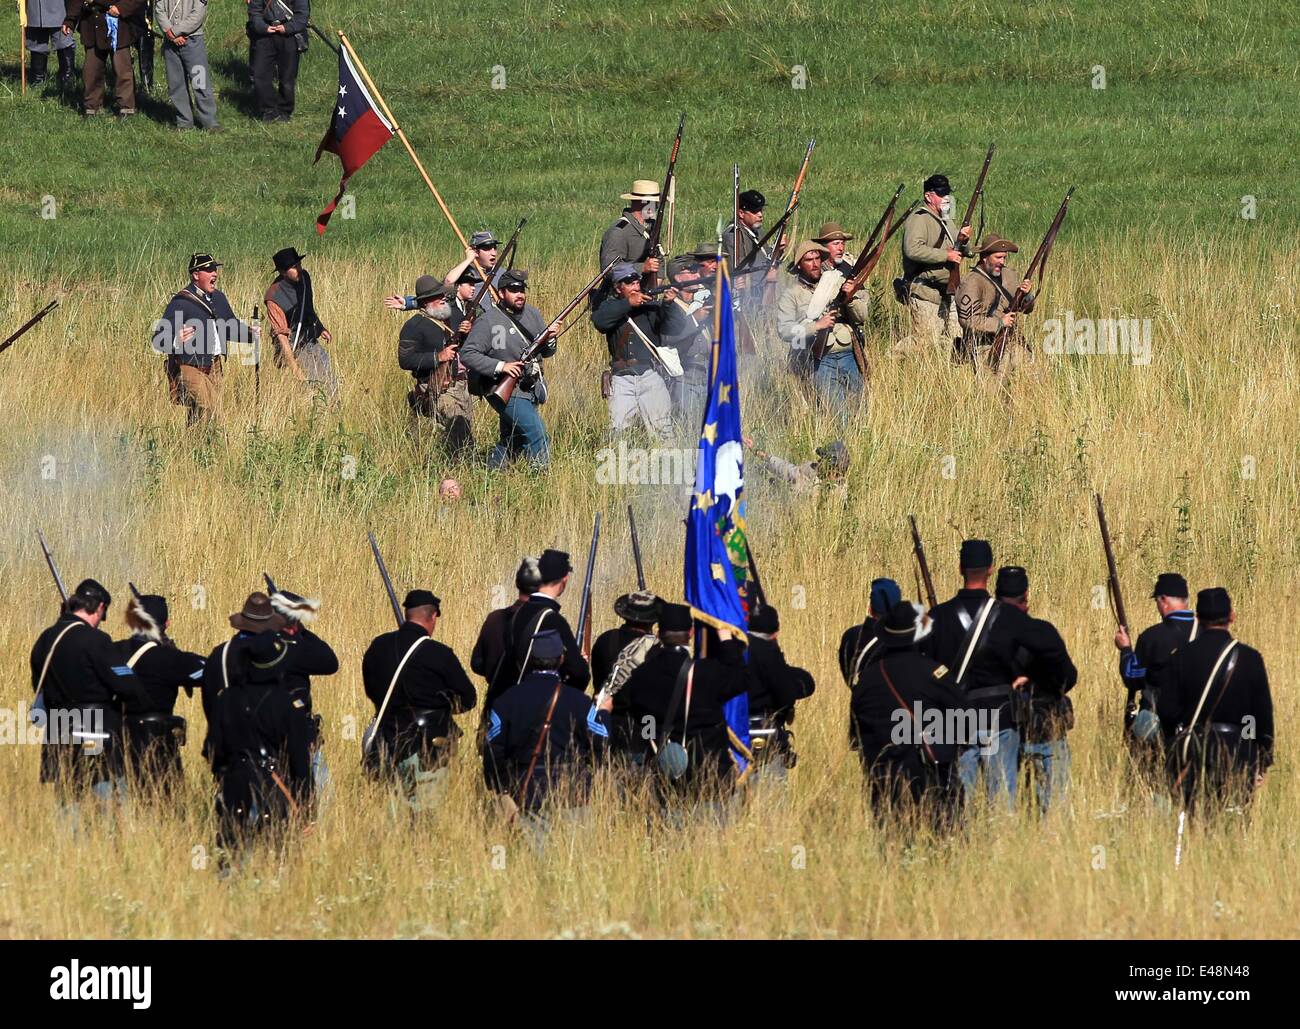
pixel 717 553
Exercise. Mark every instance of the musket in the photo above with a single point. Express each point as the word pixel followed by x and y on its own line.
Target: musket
pixel 636 549
pixel 388 583
pixel 759 595
pixel 271 589
pixel 503 261
pixel 861 271
pixel 505 386
pixel 1117 601
pixel 54 569
pixel 783 243
pixel 918 548
pixel 735 213
pixel 954 268
pixel 257 366
pixel 30 323
pixel 653 249
pixel 584 609
pixel 748 265
pixel 1039 265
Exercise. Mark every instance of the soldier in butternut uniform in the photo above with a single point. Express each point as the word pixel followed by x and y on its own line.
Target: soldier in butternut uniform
pixel 429 348
pixel 930 243
pixel 836 375
pixel 983 302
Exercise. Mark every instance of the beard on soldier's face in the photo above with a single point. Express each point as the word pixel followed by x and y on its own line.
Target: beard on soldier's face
pixel 440 310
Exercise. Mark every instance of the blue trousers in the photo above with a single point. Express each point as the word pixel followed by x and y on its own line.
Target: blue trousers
pixel 522 431
pixel 998 754
pixel 837 378
pixel 1050 763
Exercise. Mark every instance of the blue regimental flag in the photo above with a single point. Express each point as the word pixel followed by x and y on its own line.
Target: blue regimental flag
pixel 717 554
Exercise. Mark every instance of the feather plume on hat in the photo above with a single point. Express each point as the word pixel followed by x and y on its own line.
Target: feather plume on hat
pixel 294 608
pixel 141 622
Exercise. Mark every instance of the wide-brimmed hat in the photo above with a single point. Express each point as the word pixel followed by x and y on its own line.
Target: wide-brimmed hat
pixel 705 252
pixel 995 244
pixel 642 189
pixel 429 287
pixel 830 231
pixel 287 258
pixel 797 254
pixel 257 615
pixel 834 457
pixel 203 263
pixel 642 607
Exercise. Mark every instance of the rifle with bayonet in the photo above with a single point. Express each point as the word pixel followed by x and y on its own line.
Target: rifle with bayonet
pixel 505 386
pixel 54 570
pixel 636 549
pixel 27 325
pixel 918 548
pixel 1117 601
pixel 954 267
pixel 583 629
pixel 653 249
pixel 388 582
pixel 372 730
pixel 1039 265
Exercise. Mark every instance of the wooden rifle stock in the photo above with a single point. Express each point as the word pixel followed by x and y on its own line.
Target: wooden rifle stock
pixel 954 268
pixel 505 387
pixel 1038 265
pixel 783 244
pixel 918 548
pixel 747 266
pixel 653 249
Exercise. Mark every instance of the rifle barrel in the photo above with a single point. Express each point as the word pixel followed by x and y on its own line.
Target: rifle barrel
pixel 12 339
pixel 1112 570
pixel 584 609
pixel 54 569
pixel 388 582
pixel 918 548
pixel 636 549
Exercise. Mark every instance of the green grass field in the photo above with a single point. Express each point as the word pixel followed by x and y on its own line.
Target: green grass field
pixel 1195 452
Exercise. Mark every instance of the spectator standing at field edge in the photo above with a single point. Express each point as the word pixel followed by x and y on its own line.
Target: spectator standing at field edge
pixel 278 29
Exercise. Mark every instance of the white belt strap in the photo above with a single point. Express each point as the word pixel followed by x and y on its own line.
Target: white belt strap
pixel 975 637
pixel 130 661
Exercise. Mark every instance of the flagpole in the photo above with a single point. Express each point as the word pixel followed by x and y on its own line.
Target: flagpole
pixel 22 43
pixel 397 129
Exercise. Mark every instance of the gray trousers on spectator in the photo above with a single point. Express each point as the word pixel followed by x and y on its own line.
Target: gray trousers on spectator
pixel 188 66
pixel 645 395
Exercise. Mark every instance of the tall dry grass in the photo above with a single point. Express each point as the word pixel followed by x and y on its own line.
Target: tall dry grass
pixel 1195 454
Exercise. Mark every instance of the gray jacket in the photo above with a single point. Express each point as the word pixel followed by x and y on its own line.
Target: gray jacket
pixel 496 340
pixel 183 17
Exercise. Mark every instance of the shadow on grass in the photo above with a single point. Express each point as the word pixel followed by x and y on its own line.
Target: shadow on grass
pixel 236 84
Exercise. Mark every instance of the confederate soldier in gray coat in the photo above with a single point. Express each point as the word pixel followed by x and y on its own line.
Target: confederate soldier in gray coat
pixel 295 326
pixel 44 21
pixel 984 305
pixel 496 347
pixel 185 55
pixel 628 239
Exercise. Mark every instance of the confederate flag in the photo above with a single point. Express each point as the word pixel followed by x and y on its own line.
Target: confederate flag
pixel 357 130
